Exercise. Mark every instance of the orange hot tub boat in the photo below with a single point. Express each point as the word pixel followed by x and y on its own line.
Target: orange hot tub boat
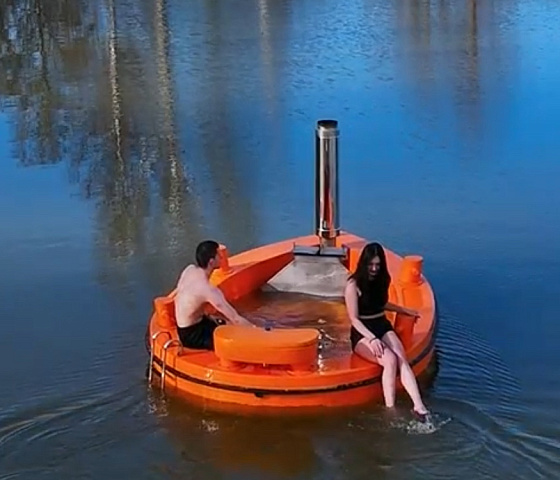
pixel 282 367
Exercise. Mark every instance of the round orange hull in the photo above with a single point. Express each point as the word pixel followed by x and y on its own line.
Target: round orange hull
pixel 335 382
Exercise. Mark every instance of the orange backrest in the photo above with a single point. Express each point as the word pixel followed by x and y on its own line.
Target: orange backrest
pixel 411 270
pixel 165 312
pixel 404 328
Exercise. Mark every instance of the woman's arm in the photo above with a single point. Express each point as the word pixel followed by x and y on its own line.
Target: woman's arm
pixel 351 300
pixel 392 307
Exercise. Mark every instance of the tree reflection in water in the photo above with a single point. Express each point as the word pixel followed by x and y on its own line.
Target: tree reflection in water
pixel 75 95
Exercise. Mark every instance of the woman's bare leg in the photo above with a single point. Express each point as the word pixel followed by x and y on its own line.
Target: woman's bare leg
pixel 389 363
pixel 407 375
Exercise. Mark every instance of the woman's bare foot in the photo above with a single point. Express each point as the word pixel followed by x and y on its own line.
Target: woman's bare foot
pixel 421 415
pixel 421 409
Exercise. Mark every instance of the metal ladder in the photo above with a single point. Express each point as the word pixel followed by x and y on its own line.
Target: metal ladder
pixel 170 343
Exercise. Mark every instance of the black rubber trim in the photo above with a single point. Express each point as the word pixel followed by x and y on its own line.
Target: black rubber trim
pixel 259 392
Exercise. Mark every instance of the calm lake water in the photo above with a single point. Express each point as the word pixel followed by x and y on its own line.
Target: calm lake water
pixel 130 130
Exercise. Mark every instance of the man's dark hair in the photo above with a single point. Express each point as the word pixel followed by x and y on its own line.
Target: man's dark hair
pixel 206 251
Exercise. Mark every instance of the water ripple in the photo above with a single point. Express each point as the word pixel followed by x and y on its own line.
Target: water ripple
pixel 62 428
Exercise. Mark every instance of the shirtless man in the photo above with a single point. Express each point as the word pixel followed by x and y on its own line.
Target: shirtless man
pixel 195 329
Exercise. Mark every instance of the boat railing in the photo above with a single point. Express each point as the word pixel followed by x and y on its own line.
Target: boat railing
pixel 152 354
pixel 166 346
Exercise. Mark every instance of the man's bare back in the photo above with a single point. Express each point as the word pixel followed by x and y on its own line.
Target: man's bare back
pixel 194 291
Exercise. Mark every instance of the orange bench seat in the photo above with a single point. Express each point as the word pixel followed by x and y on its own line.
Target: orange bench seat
pixel 296 347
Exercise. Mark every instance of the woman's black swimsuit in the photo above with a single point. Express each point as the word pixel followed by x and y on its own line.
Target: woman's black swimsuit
pixel 200 336
pixel 372 301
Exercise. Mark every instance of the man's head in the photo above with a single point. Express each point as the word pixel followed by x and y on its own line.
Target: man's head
pixel 207 254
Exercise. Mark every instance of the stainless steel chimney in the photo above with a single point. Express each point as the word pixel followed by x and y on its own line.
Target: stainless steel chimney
pixel 326 182
pixel 319 269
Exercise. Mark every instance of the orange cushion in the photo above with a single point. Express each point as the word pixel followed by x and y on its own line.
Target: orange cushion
pixel 294 346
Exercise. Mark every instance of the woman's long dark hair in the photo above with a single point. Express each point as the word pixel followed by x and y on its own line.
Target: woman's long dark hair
pixel 361 275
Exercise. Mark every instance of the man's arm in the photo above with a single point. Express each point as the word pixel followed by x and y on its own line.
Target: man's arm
pixel 218 301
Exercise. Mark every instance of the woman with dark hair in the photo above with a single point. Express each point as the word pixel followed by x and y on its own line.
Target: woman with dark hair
pixel 372 335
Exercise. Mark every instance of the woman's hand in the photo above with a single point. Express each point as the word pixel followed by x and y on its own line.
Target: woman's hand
pixel 377 347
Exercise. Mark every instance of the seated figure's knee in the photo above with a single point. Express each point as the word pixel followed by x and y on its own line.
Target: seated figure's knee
pixel 389 359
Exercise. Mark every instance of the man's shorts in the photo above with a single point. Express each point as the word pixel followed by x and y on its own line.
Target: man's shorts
pixel 200 336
